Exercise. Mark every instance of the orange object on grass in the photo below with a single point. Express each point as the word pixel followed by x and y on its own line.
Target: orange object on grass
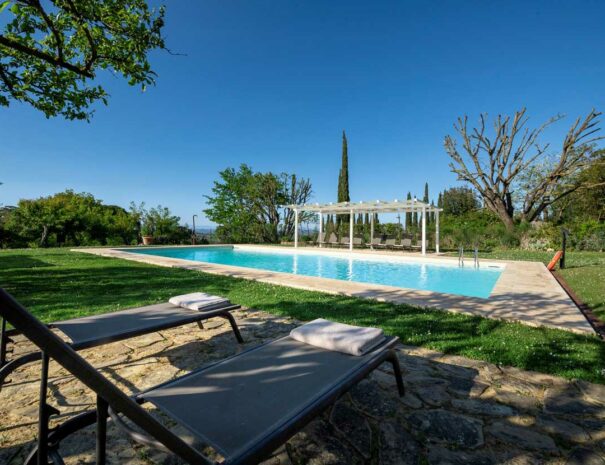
pixel 554 260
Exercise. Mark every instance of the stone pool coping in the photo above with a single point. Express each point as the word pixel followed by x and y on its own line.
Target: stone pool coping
pixel 526 292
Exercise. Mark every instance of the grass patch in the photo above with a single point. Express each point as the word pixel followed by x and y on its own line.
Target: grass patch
pixel 573 259
pixel 57 284
pixel 584 272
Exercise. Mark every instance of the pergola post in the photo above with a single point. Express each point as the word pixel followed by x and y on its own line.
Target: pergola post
pixel 423 230
pixel 295 227
pixel 436 231
pixel 372 230
pixel 413 207
pixel 321 224
pixel 351 232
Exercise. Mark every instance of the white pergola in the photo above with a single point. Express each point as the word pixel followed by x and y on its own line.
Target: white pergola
pixel 378 206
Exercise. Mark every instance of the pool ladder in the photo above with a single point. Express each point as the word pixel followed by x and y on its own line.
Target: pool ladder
pixel 461 257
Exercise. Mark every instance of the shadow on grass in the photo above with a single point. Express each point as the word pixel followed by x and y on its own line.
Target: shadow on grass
pixel 19 262
pixel 80 284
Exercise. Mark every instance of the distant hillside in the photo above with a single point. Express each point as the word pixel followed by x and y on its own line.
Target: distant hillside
pixel 205 230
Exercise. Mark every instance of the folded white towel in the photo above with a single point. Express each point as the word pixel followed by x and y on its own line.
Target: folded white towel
pixel 354 340
pixel 198 301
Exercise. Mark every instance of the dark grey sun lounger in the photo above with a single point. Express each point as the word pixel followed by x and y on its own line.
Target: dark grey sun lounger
pixel 96 330
pixel 244 407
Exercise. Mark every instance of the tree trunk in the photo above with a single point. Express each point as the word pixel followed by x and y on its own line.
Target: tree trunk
pixel 499 207
pixel 510 207
pixel 44 237
pixel 508 221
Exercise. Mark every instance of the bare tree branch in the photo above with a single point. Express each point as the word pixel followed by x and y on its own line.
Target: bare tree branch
pixel 498 163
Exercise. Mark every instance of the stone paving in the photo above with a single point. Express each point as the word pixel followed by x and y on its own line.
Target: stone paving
pixel 455 411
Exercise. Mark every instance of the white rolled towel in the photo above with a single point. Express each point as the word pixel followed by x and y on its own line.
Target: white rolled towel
pixel 354 340
pixel 198 301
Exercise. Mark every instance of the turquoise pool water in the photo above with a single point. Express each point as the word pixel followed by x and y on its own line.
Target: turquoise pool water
pixel 445 278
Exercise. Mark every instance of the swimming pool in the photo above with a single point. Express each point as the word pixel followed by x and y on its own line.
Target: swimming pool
pixel 426 275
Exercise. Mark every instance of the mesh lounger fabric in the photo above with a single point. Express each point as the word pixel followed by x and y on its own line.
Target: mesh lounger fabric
pixel 237 402
pixel 110 325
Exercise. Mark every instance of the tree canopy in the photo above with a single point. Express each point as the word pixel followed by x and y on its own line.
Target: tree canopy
pixel 459 201
pixel 587 202
pixel 512 162
pixel 51 51
pixel 248 206
pixel 71 218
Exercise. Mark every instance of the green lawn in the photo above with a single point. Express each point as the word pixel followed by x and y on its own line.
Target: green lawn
pixel 584 271
pixel 57 284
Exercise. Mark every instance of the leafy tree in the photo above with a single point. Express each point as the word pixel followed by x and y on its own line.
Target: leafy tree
pixel 70 218
pixel 51 51
pixel 249 206
pixel 588 202
pixel 137 214
pixel 458 201
pixel 493 164
pixel 160 223
pixel 8 238
pixel 296 192
pixel 231 206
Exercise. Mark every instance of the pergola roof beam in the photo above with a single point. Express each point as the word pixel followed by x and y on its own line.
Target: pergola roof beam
pixel 378 206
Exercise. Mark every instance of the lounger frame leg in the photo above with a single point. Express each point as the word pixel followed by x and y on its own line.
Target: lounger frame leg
pixel 3 343
pixel 394 360
pixel 42 420
pixel 65 429
pixel 101 449
pixel 234 326
pixel 45 411
pixel 55 457
pixel 11 366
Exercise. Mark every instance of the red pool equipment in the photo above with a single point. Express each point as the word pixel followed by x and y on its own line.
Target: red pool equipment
pixel 554 260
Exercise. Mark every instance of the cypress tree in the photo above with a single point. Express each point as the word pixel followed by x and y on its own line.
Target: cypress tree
pixel 343 176
pixel 366 219
pixel 415 215
pixel 344 171
pixel 408 215
pixel 425 199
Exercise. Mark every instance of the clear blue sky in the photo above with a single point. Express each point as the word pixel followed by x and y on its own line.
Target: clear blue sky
pixel 273 84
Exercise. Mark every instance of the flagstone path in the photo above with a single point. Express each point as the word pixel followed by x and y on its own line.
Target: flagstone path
pixel 455 411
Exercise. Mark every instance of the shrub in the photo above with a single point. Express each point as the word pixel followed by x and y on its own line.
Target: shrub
pixel 589 235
